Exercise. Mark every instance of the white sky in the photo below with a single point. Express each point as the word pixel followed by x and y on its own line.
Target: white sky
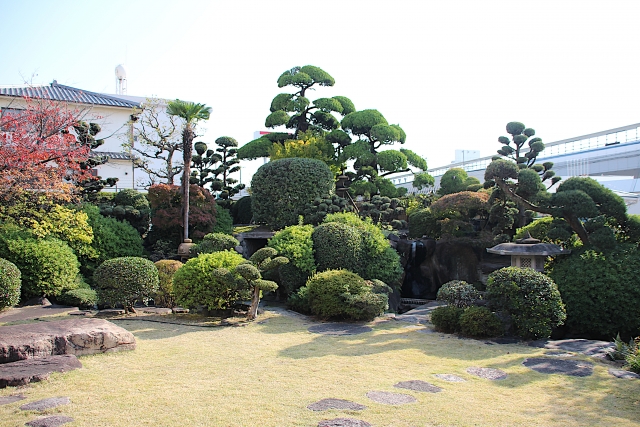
pixel 451 73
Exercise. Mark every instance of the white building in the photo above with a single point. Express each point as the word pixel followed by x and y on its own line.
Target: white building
pixel 112 113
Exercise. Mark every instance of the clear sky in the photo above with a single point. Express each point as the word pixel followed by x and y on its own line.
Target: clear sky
pixel 451 73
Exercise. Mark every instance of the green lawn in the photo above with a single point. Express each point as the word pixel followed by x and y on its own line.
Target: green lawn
pixel 267 372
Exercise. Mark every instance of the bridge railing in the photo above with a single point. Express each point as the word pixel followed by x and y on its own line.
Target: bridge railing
pixel 621 135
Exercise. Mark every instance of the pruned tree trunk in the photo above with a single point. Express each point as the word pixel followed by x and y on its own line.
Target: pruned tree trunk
pixel 255 300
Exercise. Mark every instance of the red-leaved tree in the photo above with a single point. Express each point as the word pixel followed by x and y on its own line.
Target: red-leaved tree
pixel 39 151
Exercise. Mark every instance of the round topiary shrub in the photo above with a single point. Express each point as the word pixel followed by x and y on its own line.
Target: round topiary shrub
pixel 48 266
pixel 458 293
pixel 337 246
pixel 447 318
pixel 281 189
pixel 343 294
pixel 480 322
pixel 531 299
pixel 224 221
pixel 9 284
pixel 215 242
pixel 241 211
pixel 601 292
pixel 83 298
pixel 164 296
pixel 125 280
pixel 196 283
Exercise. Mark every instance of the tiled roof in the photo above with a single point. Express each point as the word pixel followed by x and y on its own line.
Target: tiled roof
pixel 112 155
pixel 58 92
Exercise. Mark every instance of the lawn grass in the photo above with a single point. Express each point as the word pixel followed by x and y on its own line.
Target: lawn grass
pixel 265 373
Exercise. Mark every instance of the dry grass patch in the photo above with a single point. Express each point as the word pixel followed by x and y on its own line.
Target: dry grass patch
pixel 266 373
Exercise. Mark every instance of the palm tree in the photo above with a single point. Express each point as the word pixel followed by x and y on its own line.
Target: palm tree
pixel 191 113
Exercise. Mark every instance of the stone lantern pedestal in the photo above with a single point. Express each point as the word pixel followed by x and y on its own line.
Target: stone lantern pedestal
pixel 184 250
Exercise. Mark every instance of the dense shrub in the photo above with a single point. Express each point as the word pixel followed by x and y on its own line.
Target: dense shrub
pixel 295 243
pixel 166 213
pixel 241 211
pixel 343 294
pixel 480 322
pixel 164 296
pixel 447 318
pixel 458 293
pixel 299 301
pixel 337 246
pixel 377 259
pixel 84 298
pixel 224 221
pixel 195 283
pixel 9 284
pixel 317 210
pixel 48 266
pixel 529 297
pixel 125 280
pixel 131 206
pixel 215 242
pixel 282 188
pixel 111 239
pixel 421 223
pixel 600 291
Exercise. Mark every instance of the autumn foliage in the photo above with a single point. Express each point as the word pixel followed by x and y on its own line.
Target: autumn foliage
pixel 39 151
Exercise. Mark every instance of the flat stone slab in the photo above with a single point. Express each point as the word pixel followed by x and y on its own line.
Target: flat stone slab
pixel 418 385
pixel 156 310
pixel 41 405
pixel 339 329
pixel 574 368
pixel 330 403
pixel 586 347
pixel 450 378
pixel 419 314
pixel 343 422
pixel 620 373
pixel 487 373
pixel 34 312
pixel 78 336
pixel 502 341
pixel 388 398
pixel 111 312
pixel 558 354
pixel 179 310
pixel 5 400
pixel 52 421
pixel 27 371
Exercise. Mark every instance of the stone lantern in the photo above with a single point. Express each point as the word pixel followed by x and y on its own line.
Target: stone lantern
pixel 528 252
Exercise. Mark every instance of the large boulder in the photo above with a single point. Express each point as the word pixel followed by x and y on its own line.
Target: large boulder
pixel 77 336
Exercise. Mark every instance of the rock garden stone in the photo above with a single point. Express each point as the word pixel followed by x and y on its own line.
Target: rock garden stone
pixel 450 378
pixel 487 373
pixel 41 405
pixel 180 310
pixel 24 372
pixel 418 385
pixel 111 312
pixel 388 398
pixel 330 403
pixel 343 422
pixel 557 354
pixel 157 310
pixel 619 373
pixel 574 368
pixel 52 421
pixel 587 347
pixel 339 329
pixel 5 400
pixel 77 336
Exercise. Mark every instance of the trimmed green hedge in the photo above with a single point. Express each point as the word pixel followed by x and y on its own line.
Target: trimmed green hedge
pixel 164 296
pixel 337 246
pixel 196 283
pixel 9 284
pixel 215 242
pixel 124 280
pixel 281 189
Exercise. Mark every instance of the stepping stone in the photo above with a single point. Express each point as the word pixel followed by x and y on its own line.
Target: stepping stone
pixel 450 378
pixel 156 310
pixel 502 340
pixel 53 421
pixel 109 312
pixel 574 368
pixel 24 372
pixel 41 405
pixel 388 398
pixel 619 373
pixel 325 404
pixel 487 373
pixel 558 354
pixel 180 310
pixel 339 329
pixel 343 422
pixel 5 400
pixel 418 385
pixel 77 336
